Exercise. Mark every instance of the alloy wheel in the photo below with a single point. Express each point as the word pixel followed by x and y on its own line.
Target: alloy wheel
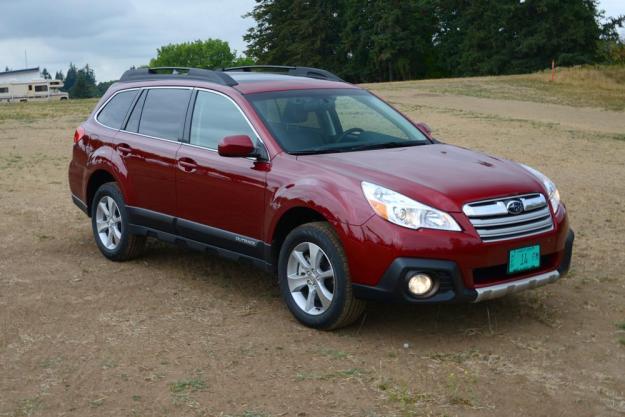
pixel 108 223
pixel 310 277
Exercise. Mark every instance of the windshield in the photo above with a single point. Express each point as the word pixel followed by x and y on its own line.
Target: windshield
pixel 337 120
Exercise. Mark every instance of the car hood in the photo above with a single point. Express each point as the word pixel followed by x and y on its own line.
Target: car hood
pixel 442 176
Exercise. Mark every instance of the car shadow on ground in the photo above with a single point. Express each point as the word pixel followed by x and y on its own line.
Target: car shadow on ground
pixel 255 286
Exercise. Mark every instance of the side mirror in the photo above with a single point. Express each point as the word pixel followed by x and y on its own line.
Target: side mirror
pixel 239 146
pixel 425 129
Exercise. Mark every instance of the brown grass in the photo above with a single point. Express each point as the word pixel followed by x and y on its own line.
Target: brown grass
pixel 583 86
pixel 187 334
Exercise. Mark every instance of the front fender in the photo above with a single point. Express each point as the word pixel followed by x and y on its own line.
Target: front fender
pixel 339 203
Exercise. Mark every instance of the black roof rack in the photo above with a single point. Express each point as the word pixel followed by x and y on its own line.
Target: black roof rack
pixel 317 73
pixel 177 73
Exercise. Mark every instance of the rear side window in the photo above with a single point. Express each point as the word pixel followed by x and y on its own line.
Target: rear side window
pixel 164 112
pixel 214 118
pixel 114 113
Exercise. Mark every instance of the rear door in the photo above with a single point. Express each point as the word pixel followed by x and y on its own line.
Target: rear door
pixel 147 145
pixel 220 200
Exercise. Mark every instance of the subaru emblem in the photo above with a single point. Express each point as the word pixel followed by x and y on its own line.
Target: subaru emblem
pixel 514 207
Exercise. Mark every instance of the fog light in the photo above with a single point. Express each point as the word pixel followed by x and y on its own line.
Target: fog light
pixel 420 284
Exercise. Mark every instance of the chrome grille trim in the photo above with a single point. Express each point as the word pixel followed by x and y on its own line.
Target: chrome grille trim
pixel 493 222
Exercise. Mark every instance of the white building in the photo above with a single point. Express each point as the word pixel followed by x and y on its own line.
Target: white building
pixel 27 85
pixel 22 75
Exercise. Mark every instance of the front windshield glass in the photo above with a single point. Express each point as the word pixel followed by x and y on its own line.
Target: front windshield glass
pixel 336 120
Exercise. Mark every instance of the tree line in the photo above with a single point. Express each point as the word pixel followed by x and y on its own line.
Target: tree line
pixel 382 40
pixel 386 40
pixel 210 53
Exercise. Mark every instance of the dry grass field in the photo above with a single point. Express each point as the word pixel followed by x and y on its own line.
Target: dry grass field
pixel 179 333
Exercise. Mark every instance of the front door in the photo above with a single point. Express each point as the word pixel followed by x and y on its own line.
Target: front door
pixel 220 200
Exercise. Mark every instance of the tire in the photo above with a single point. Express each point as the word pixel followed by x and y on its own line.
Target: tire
pixel 319 241
pixel 123 246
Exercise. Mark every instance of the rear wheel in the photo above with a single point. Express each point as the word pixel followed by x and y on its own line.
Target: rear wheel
pixel 109 220
pixel 314 278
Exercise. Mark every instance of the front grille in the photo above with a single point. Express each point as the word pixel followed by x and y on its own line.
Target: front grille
pixel 493 221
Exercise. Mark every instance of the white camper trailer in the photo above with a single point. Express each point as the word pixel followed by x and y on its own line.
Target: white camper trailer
pixel 27 85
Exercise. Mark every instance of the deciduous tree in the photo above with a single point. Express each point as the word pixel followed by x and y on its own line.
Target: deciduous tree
pixel 210 53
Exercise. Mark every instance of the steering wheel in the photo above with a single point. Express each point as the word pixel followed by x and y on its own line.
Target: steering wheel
pixel 351 131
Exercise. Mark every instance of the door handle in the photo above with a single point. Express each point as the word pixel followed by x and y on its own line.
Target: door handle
pixel 187 164
pixel 124 149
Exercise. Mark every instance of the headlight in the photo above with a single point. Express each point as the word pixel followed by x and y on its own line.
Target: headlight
pixel 401 210
pixel 552 190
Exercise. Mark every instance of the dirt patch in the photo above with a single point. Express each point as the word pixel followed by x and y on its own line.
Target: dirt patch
pixel 186 334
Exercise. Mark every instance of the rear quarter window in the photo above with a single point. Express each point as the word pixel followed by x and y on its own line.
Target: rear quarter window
pixel 114 112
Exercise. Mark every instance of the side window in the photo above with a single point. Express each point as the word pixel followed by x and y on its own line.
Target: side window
pixel 40 88
pixel 163 113
pixel 115 110
pixel 133 120
pixel 214 118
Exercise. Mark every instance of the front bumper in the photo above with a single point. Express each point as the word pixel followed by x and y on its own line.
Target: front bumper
pixel 394 283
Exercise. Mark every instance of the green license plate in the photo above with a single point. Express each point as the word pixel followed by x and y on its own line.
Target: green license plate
pixel 523 259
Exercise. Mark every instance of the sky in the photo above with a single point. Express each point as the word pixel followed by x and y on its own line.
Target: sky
pixel 112 35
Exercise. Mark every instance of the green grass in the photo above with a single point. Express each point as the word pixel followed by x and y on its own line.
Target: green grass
pixel 328 376
pixel 334 354
pixel 248 413
pixel 187 385
pixel 28 407
pixel 181 391
pixel 621 327
pixel 405 398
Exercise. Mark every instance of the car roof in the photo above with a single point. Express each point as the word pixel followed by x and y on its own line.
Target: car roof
pixel 261 82
pixel 246 80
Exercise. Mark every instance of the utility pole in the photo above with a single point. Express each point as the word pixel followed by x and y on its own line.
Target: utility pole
pixel 25 59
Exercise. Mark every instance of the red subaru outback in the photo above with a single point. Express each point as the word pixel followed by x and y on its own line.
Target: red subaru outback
pixel 300 173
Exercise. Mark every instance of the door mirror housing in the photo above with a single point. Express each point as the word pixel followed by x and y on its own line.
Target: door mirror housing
pixel 238 146
pixel 425 129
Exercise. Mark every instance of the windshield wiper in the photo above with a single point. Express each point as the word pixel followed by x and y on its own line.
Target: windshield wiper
pixel 314 151
pixel 361 147
pixel 384 145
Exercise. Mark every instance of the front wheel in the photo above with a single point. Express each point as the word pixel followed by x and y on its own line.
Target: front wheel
pixel 314 278
pixel 109 220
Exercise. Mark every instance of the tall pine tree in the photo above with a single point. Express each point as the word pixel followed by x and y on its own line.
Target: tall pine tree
pixel 378 40
pixel 70 78
pixel 291 32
